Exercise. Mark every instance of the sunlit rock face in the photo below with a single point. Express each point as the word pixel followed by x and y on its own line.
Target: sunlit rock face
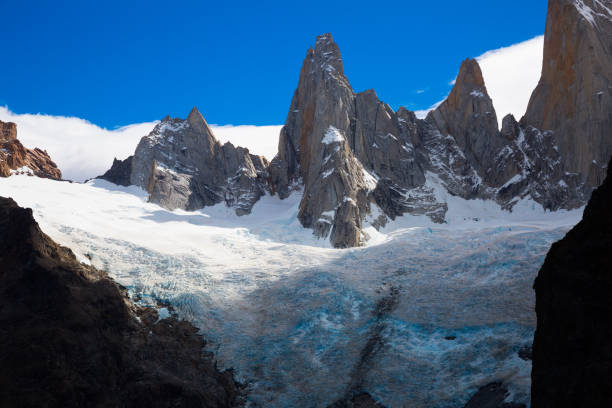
pixel 182 165
pixel 346 147
pixel 574 97
pixel 359 163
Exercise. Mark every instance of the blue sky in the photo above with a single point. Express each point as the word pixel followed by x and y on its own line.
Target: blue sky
pixel 116 63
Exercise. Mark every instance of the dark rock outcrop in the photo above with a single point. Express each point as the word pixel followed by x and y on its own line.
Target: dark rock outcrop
pixel 15 158
pixel 120 172
pixel 492 395
pixel 69 336
pixel 572 351
pixel 362 400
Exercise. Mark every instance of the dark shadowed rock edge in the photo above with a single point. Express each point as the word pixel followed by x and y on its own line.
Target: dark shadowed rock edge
pixel 492 395
pixel 572 350
pixel 70 337
pixel 119 173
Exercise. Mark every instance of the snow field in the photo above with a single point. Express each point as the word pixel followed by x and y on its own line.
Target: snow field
pixel 423 315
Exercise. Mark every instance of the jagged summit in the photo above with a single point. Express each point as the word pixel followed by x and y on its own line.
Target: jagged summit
pixel 469 116
pixel 197 121
pixel 329 53
pixel 182 165
pixel 470 76
pixel 360 163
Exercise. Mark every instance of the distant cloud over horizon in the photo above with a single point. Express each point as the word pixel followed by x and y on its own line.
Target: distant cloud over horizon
pixel 511 74
pixel 83 150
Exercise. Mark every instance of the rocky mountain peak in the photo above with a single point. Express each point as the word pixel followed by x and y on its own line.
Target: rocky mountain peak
pixel 574 96
pixel 197 121
pixel 470 82
pixel 469 117
pixel 353 156
pixel 328 53
pixel 182 165
pixel 17 159
pixel 8 131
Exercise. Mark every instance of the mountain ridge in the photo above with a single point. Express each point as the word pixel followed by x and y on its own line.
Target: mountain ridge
pixel 355 158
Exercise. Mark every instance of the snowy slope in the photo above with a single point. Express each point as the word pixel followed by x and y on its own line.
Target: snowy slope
pixel 297 319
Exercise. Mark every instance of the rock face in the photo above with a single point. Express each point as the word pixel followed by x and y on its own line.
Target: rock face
pixel 351 152
pixel 182 165
pixel 359 162
pixel 573 99
pixel 315 150
pixel 469 117
pixel 15 158
pixel 120 172
pixel 71 338
pixel 572 352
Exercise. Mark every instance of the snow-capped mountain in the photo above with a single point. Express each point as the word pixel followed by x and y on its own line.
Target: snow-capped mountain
pixel 445 222
pixel 355 158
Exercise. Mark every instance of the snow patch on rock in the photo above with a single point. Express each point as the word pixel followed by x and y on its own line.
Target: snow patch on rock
pixel 332 135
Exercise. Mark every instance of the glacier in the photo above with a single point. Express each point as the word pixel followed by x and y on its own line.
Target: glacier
pixel 422 316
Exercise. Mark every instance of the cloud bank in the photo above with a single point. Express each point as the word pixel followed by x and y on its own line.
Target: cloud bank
pixel 511 74
pixel 83 150
pixel 261 140
pixel 80 149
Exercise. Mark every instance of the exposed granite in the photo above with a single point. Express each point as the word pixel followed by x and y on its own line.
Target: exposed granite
pixel 120 172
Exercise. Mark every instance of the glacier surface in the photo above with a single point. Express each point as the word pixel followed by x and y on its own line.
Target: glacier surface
pixel 422 316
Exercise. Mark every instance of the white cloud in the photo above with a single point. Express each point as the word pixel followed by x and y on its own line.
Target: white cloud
pixel 83 150
pixel 511 74
pixel 422 114
pixel 80 149
pixel 261 140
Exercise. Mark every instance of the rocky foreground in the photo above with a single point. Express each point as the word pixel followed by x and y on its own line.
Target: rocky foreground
pixel 70 337
pixel 572 351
